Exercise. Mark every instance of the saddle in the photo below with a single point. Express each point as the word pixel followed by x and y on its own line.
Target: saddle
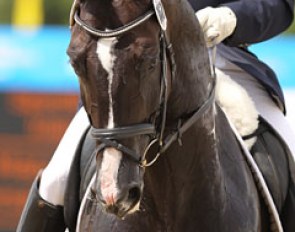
pixel 266 146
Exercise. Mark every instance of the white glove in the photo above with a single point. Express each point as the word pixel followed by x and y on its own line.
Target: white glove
pixel 217 23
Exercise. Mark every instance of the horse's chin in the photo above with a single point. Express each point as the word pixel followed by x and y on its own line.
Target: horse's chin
pixel 121 211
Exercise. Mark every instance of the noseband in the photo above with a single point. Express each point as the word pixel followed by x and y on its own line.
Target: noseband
pixel 109 137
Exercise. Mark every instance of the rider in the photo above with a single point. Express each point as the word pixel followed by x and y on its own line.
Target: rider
pixel 233 25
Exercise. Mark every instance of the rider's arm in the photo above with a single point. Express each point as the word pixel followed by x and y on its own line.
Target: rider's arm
pixel 259 20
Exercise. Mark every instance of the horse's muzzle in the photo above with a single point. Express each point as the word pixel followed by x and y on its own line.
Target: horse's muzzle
pixel 126 202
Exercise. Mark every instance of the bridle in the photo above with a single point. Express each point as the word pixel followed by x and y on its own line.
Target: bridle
pixel 110 137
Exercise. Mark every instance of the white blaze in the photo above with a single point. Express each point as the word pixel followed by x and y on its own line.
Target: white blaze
pixel 111 157
pixel 109 174
pixel 107 58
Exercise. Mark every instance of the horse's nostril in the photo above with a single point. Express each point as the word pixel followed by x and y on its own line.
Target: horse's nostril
pixel 134 194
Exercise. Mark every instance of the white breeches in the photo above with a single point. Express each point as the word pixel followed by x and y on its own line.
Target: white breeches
pixel 54 177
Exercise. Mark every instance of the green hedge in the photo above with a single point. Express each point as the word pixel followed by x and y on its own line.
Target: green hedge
pixel 5 11
pixel 291 28
pixel 56 11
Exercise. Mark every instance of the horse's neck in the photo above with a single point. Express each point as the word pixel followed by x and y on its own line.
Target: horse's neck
pixel 187 176
pixel 194 167
pixel 190 88
pixel 191 84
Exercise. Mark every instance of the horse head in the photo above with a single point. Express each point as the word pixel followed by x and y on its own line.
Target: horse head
pixel 131 87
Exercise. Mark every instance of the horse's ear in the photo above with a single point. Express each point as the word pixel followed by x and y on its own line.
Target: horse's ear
pixel 74 8
pixel 160 13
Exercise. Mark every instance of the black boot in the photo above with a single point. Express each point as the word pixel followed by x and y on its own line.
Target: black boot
pixel 39 215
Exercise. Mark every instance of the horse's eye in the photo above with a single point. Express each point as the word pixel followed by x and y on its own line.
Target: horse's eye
pixel 145 64
pixel 138 65
pixel 153 64
pixel 78 68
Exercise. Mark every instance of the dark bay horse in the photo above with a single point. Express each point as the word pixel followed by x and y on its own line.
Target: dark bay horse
pixel 160 154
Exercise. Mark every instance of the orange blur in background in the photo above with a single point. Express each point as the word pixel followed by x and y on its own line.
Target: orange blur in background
pixel 31 126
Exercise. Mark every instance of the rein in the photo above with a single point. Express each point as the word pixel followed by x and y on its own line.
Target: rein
pixel 109 137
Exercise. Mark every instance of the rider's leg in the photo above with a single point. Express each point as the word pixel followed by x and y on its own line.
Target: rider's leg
pixel 55 175
pixel 44 207
pixel 275 144
pixel 39 215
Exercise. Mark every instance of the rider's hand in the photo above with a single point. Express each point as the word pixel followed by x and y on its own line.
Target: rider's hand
pixel 217 23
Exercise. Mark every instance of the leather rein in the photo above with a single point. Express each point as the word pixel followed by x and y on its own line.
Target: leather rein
pixel 109 137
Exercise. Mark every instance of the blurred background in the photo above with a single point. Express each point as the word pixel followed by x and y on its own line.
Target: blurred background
pixel 38 95
pixel 39 91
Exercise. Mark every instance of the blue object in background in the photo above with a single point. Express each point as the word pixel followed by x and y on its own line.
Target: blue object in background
pixel 36 61
pixel 279 54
